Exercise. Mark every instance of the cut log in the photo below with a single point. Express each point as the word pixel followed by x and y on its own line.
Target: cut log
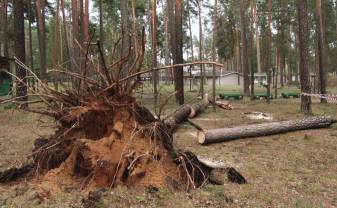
pixel 224 105
pixel 199 107
pixel 264 129
pixel 185 112
pixel 195 109
pixel 178 116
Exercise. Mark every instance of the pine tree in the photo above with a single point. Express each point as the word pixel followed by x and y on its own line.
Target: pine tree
pixel 41 27
pixel 304 55
pixel 320 43
pixel 19 48
pixel 178 52
pixel 244 48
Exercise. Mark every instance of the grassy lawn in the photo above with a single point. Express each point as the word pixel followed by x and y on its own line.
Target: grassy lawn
pixel 289 170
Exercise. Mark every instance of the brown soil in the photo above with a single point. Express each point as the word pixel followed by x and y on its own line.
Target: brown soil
pixel 108 147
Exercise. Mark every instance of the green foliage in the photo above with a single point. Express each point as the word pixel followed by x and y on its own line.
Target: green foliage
pixel 284 15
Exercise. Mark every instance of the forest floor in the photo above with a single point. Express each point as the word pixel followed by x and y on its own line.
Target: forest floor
pixel 289 170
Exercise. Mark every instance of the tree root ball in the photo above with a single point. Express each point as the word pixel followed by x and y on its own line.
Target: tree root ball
pixel 102 146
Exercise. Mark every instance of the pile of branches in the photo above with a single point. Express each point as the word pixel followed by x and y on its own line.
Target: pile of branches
pixel 104 136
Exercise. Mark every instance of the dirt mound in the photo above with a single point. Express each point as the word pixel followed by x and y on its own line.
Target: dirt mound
pixel 107 147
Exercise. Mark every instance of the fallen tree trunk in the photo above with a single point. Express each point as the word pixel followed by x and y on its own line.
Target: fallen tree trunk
pixel 178 117
pixel 255 130
pixel 199 107
pixel 185 112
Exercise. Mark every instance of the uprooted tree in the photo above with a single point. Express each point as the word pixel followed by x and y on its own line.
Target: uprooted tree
pixel 104 137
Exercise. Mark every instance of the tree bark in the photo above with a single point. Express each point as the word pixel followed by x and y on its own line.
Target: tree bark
pixel 282 54
pixel 238 53
pixel 214 50
pixel 40 14
pixel 304 55
pixel 56 43
pixel 185 112
pixel 191 43
pixel 167 43
pixel 336 17
pixel 101 29
pixel 65 33
pixel 75 35
pixel 178 57
pixel 258 49
pixel 170 22
pixel 244 48
pixel 201 47
pixel 251 51
pixel 134 25
pixel 282 67
pixel 256 130
pixel 86 21
pixel 154 50
pixel 30 37
pixel 125 35
pixel 321 63
pixel 289 56
pixel 4 22
pixel 297 46
pixel 270 38
pixel 19 48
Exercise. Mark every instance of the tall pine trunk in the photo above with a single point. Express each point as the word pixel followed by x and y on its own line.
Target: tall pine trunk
pixel 75 35
pixel 178 57
pixel 336 17
pixel 65 33
pixel 244 48
pixel 167 44
pixel 214 49
pixel 41 28
pixel 191 42
pixel 304 55
pixel 125 35
pixel 101 29
pixel 171 35
pixel 282 67
pixel 238 53
pixel 19 48
pixel 258 48
pixel 30 37
pixel 134 25
pixel 297 43
pixel 4 27
pixel 321 56
pixel 269 49
pixel 56 43
pixel 86 21
pixel 251 49
pixel 201 47
pixel 289 56
pixel 154 50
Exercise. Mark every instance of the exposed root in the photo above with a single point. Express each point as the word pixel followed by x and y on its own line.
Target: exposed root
pixel 105 138
pixel 13 174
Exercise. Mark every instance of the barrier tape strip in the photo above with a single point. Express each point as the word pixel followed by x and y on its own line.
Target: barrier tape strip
pixel 329 97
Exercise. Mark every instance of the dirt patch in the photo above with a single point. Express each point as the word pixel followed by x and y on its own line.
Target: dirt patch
pixel 258 116
pixel 107 148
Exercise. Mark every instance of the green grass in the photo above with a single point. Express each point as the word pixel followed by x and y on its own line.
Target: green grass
pixel 289 170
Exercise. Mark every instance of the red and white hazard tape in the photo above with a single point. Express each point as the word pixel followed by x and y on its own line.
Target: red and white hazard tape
pixel 331 98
